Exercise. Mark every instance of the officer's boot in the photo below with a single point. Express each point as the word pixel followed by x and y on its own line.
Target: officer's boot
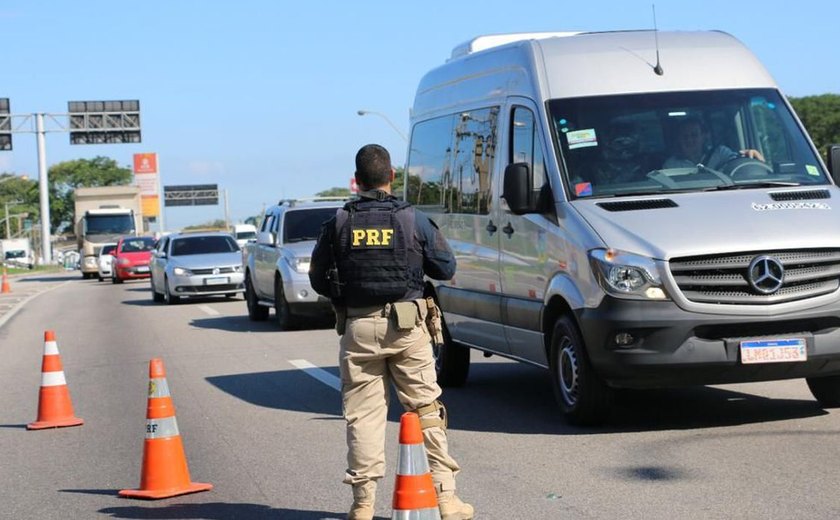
pixel 452 508
pixel 364 496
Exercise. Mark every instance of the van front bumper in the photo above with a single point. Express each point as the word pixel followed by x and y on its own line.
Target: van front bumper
pixel 674 347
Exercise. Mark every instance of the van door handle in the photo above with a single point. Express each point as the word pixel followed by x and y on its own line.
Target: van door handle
pixel 508 230
pixel 491 228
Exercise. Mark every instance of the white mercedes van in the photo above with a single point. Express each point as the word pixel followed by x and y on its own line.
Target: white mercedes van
pixel 628 214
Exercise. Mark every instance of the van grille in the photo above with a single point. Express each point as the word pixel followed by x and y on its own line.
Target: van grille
pixel 722 279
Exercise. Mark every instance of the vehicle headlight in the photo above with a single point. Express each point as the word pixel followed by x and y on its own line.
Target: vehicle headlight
pixel 180 271
pixel 237 269
pixel 627 275
pixel 300 264
pixel 90 261
pixel 123 261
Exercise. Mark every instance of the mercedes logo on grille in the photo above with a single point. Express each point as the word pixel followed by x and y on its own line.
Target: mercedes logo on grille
pixel 766 274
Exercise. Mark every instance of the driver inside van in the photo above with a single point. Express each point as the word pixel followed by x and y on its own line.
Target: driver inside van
pixel 694 147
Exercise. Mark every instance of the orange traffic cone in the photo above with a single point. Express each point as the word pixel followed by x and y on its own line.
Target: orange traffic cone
pixel 6 287
pixel 54 407
pixel 165 473
pixel 414 491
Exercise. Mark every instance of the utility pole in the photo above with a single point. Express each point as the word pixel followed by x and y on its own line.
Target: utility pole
pixel 43 189
pixel 227 209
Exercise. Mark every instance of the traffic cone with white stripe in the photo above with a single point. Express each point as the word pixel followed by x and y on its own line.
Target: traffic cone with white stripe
pixel 165 473
pixel 414 490
pixel 54 407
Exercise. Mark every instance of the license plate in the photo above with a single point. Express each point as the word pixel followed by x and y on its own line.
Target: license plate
pixel 773 351
pixel 142 269
pixel 215 281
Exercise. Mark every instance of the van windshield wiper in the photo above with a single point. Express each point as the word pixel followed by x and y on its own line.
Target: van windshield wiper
pixel 753 185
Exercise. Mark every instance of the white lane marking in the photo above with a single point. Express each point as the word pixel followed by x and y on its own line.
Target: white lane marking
pixel 318 373
pixel 209 310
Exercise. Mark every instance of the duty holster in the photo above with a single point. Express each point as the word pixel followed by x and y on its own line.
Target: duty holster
pixel 434 321
pixel 340 319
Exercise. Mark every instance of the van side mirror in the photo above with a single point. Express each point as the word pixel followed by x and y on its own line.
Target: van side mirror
pixel 833 155
pixel 266 238
pixel 517 189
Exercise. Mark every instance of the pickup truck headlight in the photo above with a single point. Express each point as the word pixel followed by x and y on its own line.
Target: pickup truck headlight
pixel 180 271
pixel 627 275
pixel 300 264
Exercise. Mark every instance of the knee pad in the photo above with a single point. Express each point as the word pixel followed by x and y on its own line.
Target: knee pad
pixel 431 422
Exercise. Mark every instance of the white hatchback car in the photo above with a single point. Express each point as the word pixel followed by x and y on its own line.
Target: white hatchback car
pixel 105 260
pixel 196 264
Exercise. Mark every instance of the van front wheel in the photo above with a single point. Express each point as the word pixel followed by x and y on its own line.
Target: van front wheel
pixel 826 390
pixel 452 360
pixel 583 397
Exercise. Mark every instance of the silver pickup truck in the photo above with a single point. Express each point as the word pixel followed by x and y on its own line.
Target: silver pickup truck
pixel 277 263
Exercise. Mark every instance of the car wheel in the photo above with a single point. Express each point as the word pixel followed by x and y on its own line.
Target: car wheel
pixel 452 360
pixel 116 279
pixel 284 317
pixel 156 296
pixel 826 390
pixel 168 297
pixel 583 397
pixel 256 312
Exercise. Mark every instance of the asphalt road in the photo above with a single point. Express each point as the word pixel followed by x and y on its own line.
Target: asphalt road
pixel 260 419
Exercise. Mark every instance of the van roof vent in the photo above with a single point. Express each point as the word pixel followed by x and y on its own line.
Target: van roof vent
pixel 800 195
pixel 633 205
pixel 488 41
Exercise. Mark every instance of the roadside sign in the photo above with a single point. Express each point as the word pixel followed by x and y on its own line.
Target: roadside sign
pixel 146 177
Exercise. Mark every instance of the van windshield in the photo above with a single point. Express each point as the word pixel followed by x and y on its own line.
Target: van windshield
pixel 686 141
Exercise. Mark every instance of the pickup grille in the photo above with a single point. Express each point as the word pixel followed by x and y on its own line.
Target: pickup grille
pixel 722 279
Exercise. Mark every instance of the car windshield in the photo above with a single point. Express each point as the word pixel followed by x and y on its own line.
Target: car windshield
pixel 137 245
pixel 688 141
pixel 305 224
pixel 246 235
pixel 15 254
pixel 205 245
pixel 107 250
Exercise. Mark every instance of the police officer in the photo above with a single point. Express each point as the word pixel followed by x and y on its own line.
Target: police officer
pixel 370 260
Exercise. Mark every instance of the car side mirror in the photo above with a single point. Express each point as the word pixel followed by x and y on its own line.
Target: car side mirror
pixel 833 154
pixel 266 238
pixel 517 189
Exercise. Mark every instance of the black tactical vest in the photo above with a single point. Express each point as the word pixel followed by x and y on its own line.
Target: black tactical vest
pixel 378 257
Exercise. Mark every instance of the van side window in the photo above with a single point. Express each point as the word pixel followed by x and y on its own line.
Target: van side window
pixel 525 147
pixel 451 160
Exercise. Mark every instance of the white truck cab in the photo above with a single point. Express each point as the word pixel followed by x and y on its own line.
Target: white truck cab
pixel 591 241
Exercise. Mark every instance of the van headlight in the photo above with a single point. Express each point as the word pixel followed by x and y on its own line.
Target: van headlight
pixel 627 275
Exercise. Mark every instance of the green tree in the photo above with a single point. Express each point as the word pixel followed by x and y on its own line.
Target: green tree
pixel 821 117
pixel 334 192
pixel 210 224
pixel 66 176
pixel 21 194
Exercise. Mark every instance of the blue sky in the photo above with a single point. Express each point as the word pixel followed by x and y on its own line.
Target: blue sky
pixel 260 97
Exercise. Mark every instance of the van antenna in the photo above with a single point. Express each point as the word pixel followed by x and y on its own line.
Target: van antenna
pixel 658 67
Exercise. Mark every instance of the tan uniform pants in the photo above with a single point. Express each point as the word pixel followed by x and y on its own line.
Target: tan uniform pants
pixel 373 354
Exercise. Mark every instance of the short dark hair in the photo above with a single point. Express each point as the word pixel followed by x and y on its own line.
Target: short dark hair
pixel 373 166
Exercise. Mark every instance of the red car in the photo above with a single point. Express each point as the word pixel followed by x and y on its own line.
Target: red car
pixel 131 258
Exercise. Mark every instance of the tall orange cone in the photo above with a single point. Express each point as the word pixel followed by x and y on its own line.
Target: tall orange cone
pixel 6 287
pixel 165 473
pixel 414 491
pixel 54 407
